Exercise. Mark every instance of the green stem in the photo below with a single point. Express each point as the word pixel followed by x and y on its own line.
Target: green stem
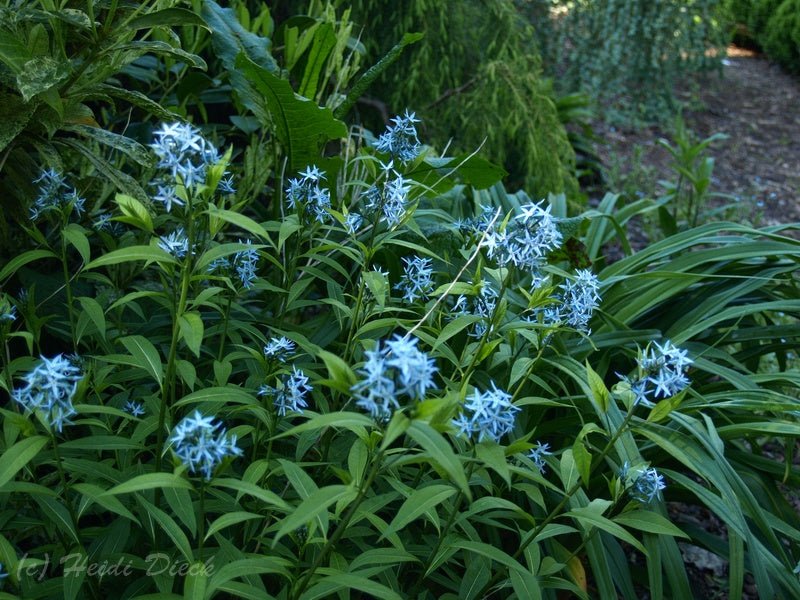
pixel 342 527
pixel 68 289
pixel 224 334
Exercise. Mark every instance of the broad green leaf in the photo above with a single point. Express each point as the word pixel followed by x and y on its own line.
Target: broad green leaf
pixel 355 422
pixel 149 481
pixel 247 566
pixel 600 393
pixel 381 556
pixel 101 442
pixel 583 460
pixel 469 169
pixel 241 221
pixel 135 213
pixel 418 503
pixel 191 327
pixel 338 370
pixel 588 517
pixel 229 519
pixel 19 455
pixel 324 41
pixel 222 395
pixel 525 585
pixel 311 507
pixel 328 586
pixel 196 581
pixel 569 470
pixel 97 494
pixel 491 552
pixel 300 125
pixel 494 457
pixel 76 236
pixel 145 355
pixel 180 501
pixel 23 259
pixel 14 117
pixel 131 148
pixel 649 521
pixel 40 74
pixel 441 452
pixel 95 313
pixel 267 497
pixel 170 527
pixel 132 254
pixel 58 515
pixel 167 17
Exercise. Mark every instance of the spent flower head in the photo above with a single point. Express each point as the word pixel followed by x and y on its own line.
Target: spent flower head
pixel 201 444
pixel 488 414
pixel 391 372
pixel 49 390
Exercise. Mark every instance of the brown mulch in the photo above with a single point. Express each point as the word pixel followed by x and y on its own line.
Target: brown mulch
pixel 757 106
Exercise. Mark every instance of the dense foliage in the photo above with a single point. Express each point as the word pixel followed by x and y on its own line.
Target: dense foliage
pixel 773 25
pixel 316 361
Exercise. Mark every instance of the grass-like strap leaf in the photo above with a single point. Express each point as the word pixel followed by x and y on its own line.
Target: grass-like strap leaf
pixel 149 481
pixel 310 509
pixel 132 254
pixel 58 514
pixel 248 566
pixel 243 487
pixel 170 527
pixel 225 395
pixel 110 503
pixel 440 451
pixel 101 442
pixel 490 552
pixel 19 455
pixel 381 556
pixel 418 503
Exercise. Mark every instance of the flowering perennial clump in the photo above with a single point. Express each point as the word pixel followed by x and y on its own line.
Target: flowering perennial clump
pixel 185 153
pixel 400 140
pixel 576 304
pixel 646 484
pixel 390 199
pixel 661 372
pixel 291 395
pixel 537 455
pixel 488 414
pixel 201 444
pixel 417 280
pixel 526 240
pixel 50 389
pixel 55 194
pixel 396 370
pixel 279 348
pixel 481 305
pixel 306 194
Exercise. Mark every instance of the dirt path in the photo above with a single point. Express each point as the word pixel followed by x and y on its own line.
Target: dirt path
pixel 758 106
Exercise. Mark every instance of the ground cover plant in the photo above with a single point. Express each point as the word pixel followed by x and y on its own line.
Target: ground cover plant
pixel 381 374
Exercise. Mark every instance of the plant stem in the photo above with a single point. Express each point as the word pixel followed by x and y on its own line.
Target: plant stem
pixel 68 289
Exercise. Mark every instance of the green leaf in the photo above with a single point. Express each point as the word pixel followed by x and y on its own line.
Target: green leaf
pixel 324 41
pixel 310 508
pixel 95 313
pixel 600 393
pixel 569 470
pixel 327 586
pixel 97 494
pixel 268 498
pixel 19 455
pixel 651 522
pixel 149 481
pixel 196 582
pixel 338 370
pixel 583 460
pixel 191 327
pixel 74 234
pixel 167 17
pixel 131 254
pixel 359 87
pixel 23 259
pixel 180 501
pixel 135 213
pixel 145 355
pixel 300 125
pixel 229 519
pixel 418 503
pixel 222 395
pixel 241 221
pixel 441 452
pixel 494 457
pixel 588 517
pixel 14 117
pixel 469 169
pixel 525 585
pixel 41 74
pixel 489 551
pixel 245 567
pixel 355 422
pixel 170 527
pixel 131 148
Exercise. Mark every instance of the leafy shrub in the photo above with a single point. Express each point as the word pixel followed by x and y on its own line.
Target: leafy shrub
pixel 630 53
pixel 781 39
pixel 474 85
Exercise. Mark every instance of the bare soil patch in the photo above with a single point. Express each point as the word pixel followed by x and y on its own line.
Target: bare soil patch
pixel 757 106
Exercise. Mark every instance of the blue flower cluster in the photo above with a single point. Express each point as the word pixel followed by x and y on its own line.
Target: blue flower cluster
pixel 55 194
pixel 246 263
pixel 390 199
pixel 525 241
pixel 353 222
pixel 305 194
pixel 135 409
pixel 176 243
pixel 279 348
pixel 537 455
pixel 645 484
pixel 481 305
pixel 488 414
pixel 201 445
pixel 400 140
pixel 391 372
pixel 417 279
pixel 661 372
pixel 185 153
pixel 49 389
pixel 8 312
pixel 577 302
pixel 291 396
